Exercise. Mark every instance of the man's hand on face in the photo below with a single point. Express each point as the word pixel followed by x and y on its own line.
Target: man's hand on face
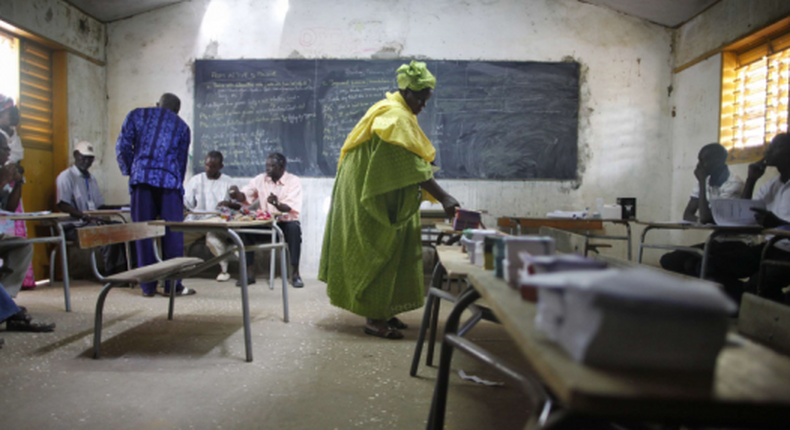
pixel 700 173
pixel 757 170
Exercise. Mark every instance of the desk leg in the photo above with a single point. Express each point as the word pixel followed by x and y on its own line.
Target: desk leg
pixel 245 304
pixel 434 326
pixel 127 249
pixel 628 234
pixel 763 257
pixel 65 262
pixel 439 403
pixel 272 260
pixel 283 269
pixel 642 243
pixel 436 280
pixel 706 255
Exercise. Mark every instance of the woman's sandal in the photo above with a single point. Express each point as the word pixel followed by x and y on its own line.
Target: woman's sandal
pixel 395 323
pixel 24 322
pixel 386 333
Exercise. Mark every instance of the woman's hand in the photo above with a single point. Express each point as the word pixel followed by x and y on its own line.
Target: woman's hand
pixel 450 204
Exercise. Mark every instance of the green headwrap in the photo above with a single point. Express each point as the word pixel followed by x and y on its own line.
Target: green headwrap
pixel 415 76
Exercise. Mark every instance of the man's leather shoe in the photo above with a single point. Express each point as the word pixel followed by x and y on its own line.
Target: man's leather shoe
pixel 297 282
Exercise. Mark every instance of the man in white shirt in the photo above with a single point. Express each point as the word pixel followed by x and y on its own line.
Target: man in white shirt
pixel 78 192
pixel 204 192
pixel 282 192
pixel 714 181
pixel 731 267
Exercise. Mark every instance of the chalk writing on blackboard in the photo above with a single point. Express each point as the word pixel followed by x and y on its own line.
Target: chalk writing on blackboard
pixel 487 120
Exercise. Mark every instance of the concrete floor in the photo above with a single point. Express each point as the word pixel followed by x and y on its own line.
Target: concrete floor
pixel 320 371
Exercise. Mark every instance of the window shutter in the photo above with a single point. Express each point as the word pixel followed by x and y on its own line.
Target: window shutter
pixel 35 96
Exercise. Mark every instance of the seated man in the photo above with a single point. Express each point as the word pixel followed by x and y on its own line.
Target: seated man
pixel 714 181
pixel 203 193
pixel 78 191
pixel 15 257
pixel 283 194
pixel 729 267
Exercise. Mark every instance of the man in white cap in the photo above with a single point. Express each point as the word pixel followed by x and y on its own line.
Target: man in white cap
pixel 78 191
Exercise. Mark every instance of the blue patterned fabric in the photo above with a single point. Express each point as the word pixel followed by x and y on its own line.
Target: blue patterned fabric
pixel 152 148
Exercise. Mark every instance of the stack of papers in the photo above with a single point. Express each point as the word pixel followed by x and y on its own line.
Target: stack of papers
pixel 567 214
pixel 735 212
pixel 8 213
pixel 636 318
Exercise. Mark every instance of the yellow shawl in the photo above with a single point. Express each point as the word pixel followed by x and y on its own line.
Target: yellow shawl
pixel 393 121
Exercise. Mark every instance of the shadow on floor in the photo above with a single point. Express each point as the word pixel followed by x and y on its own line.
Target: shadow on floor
pixel 186 336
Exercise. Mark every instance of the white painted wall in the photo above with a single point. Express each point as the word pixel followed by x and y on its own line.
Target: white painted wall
pixel 624 127
pixel 59 22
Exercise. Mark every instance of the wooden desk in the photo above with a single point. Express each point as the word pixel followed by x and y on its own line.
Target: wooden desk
pixel 232 229
pixel 749 387
pixel 715 232
pixel 58 238
pixel 587 226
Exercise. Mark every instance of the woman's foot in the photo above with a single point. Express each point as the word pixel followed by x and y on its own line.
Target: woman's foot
pixel 380 328
pixel 394 322
pixel 223 277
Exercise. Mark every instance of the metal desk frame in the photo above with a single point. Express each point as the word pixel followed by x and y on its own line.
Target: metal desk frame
pixel 232 230
pixel 635 400
pixel 715 232
pixel 587 232
pixel 58 238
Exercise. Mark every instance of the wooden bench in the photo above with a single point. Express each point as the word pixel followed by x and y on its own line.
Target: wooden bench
pixel 176 268
pixel 765 321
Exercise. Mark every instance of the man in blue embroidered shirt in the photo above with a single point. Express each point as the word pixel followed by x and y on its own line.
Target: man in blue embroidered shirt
pixel 152 151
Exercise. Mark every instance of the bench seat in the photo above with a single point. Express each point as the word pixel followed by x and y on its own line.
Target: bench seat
pixel 155 272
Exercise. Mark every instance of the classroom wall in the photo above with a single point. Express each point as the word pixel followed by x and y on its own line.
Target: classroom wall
pixel 57 21
pixel 87 106
pixel 697 91
pixel 624 125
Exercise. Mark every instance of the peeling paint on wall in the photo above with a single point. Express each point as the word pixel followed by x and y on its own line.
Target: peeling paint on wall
pixel 58 21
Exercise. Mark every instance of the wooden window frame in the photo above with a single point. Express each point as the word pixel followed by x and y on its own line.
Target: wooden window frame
pixel 739 55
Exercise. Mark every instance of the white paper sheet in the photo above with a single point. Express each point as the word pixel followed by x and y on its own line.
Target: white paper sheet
pixel 7 213
pixel 735 212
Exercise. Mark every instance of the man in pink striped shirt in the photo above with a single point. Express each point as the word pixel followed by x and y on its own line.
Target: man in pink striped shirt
pixel 282 193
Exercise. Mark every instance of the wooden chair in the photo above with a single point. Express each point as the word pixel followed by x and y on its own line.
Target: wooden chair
pixel 176 268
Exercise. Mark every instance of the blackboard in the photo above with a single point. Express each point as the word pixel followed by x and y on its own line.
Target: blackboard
pixel 488 120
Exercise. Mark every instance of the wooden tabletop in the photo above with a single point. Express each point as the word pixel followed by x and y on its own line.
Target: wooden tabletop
pixel 107 212
pixel 750 382
pixel 56 215
pixel 684 226
pixel 208 224
pixel 454 261
pixel 561 223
